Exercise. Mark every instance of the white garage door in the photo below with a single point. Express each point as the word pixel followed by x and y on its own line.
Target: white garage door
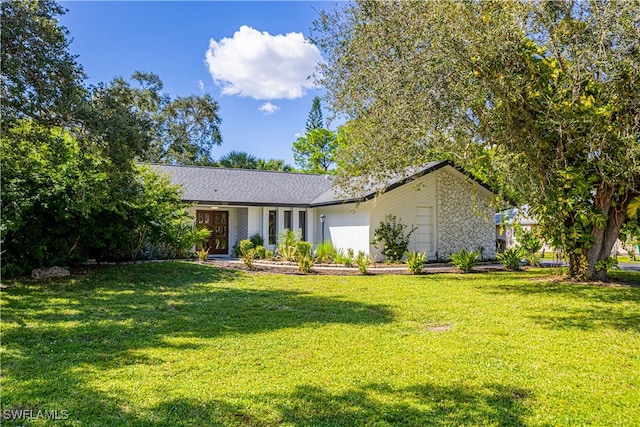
pixel 424 233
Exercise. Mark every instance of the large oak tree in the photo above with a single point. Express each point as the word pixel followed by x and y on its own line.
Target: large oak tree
pixel 541 99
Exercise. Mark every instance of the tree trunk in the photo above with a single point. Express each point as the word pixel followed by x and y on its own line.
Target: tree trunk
pixel 605 238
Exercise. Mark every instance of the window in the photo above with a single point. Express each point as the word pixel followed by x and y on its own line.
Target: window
pixel 302 223
pixel 288 220
pixel 273 216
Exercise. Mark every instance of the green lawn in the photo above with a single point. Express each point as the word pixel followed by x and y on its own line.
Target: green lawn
pixel 185 344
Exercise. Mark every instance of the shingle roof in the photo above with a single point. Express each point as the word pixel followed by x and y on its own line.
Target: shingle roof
pixel 269 188
pixel 246 186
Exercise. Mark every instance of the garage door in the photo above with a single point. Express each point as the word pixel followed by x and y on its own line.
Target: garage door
pixel 424 233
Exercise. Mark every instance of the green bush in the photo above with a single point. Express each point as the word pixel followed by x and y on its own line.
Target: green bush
pixel 268 254
pixel 304 257
pixel 363 261
pixel 415 261
pixel 392 234
pixel 533 259
pixel 248 253
pixel 261 252
pixel 257 240
pixel 325 253
pixel 528 241
pixel 346 259
pixel 464 260
pixel 511 258
pixel 287 245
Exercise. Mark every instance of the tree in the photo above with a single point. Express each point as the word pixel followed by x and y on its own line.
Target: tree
pixel 315 151
pixel 190 128
pixel 239 160
pixel 274 165
pixel 244 160
pixel 539 99
pixel 315 121
pixel 41 79
pixel 71 189
pixel 183 130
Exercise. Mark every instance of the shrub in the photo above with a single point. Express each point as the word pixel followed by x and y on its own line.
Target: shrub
pixel 325 253
pixel 261 252
pixel 203 254
pixel 363 261
pixel 533 259
pixel 511 258
pixel 528 241
pixel 287 244
pixel 341 258
pixel 268 254
pixel 247 253
pixel 415 261
pixel 303 257
pixel 257 240
pixel 464 260
pixel 392 233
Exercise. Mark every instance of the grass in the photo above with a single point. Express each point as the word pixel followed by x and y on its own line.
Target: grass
pixel 176 344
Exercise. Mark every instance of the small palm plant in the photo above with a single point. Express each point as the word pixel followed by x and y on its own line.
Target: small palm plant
pixel 415 261
pixel 464 260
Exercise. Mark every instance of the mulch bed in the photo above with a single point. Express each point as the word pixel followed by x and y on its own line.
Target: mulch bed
pixel 383 269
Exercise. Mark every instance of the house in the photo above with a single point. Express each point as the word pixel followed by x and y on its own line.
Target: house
pixel 506 230
pixel 449 209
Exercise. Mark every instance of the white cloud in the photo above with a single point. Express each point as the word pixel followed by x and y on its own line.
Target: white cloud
pixel 201 85
pixel 261 66
pixel 268 108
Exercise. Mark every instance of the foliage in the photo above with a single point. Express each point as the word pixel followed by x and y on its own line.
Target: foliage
pixel 203 254
pixel 525 95
pixel 248 253
pixel 268 254
pixel 392 233
pixel 261 252
pixel 415 261
pixel 315 151
pixel 238 160
pixel 464 260
pixel 325 252
pixel 41 80
pixel 287 245
pixel 60 205
pixel 243 160
pixel 363 262
pixel 528 241
pixel 257 239
pixel 607 264
pixel 304 258
pixel 630 236
pixel 510 258
pixel 71 186
pixel 533 259
pixel 344 258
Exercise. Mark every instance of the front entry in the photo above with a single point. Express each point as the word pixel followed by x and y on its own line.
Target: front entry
pixel 218 223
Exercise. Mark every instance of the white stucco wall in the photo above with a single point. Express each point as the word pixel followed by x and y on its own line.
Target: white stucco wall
pixel 464 217
pixel 346 226
pixel 403 202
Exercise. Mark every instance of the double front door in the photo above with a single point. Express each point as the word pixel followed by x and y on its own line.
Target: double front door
pixel 218 223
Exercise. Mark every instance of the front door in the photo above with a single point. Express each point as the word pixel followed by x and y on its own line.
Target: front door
pixel 218 223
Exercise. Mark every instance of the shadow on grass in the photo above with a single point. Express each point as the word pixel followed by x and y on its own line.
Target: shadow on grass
pixel 54 330
pixel 372 404
pixel 580 306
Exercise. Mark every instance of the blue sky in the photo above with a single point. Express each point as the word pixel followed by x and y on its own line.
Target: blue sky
pixel 252 57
